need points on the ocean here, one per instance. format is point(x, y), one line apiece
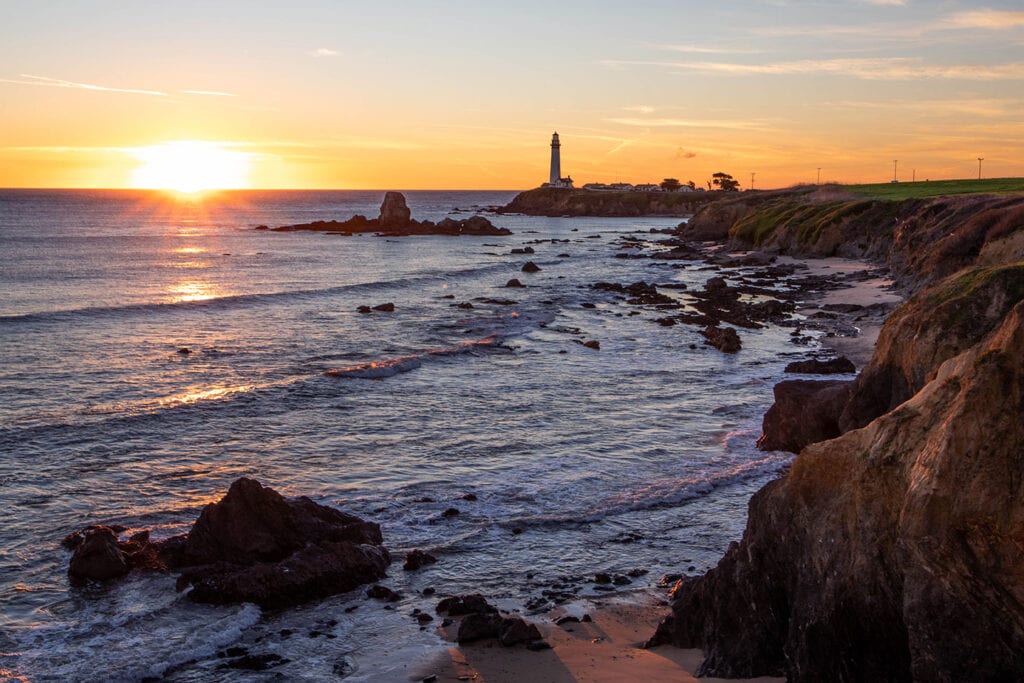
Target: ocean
point(636, 456)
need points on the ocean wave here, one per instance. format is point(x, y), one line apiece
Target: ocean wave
point(380, 369)
point(662, 493)
point(236, 300)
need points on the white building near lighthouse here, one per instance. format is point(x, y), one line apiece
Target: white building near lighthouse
point(556, 179)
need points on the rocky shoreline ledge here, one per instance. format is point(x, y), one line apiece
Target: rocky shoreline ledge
point(557, 202)
point(396, 220)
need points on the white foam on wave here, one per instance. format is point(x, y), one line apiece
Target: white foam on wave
point(138, 631)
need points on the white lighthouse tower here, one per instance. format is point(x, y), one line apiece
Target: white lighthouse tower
point(556, 179)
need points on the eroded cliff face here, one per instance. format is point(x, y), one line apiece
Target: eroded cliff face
point(894, 552)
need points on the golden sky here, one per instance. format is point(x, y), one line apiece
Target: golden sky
point(419, 95)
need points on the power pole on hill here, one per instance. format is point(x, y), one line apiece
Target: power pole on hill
point(894, 162)
point(980, 159)
point(819, 176)
point(752, 181)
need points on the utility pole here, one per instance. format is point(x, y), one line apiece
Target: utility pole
point(819, 176)
point(752, 180)
point(980, 159)
point(913, 176)
point(894, 178)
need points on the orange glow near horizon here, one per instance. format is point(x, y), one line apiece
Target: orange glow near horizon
point(188, 166)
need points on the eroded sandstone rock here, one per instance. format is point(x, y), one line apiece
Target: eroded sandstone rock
point(893, 552)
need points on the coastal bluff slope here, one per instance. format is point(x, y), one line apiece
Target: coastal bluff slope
point(894, 552)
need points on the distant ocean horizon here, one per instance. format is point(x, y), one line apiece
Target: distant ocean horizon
point(155, 350)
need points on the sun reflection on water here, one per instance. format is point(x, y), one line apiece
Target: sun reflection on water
point(191, 291)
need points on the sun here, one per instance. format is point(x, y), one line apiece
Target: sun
point(191, 166)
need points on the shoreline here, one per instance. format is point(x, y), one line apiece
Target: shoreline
point(610, 648)
point(607, 649)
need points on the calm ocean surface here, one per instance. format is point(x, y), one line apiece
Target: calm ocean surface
point(639, 455)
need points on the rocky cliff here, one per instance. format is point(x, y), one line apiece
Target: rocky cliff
point(895, 551)
point(546, 201)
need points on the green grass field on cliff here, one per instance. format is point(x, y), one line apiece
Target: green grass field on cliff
point(937, 188)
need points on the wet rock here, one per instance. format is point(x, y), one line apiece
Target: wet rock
point(514, 631)
point(478, 626)
point(97, 556)
point(593, 344)
point(524, 250)
point(724, 339)
point(472, 603)
point(567, 619)
point(364, 309)
point(256, 546)
point(394, 214)
point(451, 512)
point(471, 497)
point(602, 577)
point(386, 308)
point(383, 593)
point(804, 412)
point(531, 267)
point(834, 366)
point(514, 282)
point(417, 558)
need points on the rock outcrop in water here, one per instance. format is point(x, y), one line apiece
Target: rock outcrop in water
point(894, 552)
point(251, 546)
point(395, 220)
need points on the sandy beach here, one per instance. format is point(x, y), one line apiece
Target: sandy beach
point(608, 649)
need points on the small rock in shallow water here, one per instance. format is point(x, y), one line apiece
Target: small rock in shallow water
point(383, 593)
point(451, 512)
point(531, 267)
point(417, 558)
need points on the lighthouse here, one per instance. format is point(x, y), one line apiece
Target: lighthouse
point(556, 179)
point(556, 160)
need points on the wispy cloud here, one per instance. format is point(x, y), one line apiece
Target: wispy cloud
point(684, 154)
point(640, 109)
point(982, 18)
point(881, 68)
point(705, 50)
point(897, 3)
point(686, 123)
point(210, 93)
point(29, 79)
point(323, 52)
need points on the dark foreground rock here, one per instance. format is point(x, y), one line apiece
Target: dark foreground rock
point(814, 366)
point(252, 546)
point(395, 220)
point(891, 553)
point(805, 412)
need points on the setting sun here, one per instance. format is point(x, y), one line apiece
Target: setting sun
point(189, 166)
